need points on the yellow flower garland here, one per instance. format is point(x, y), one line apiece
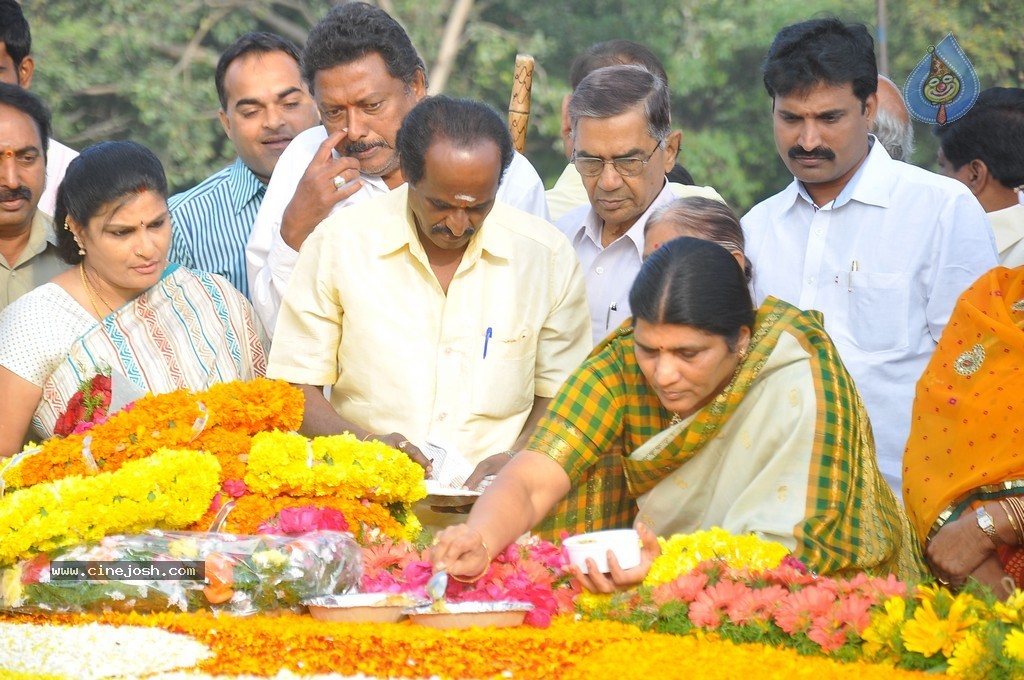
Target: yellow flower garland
point(228, 413)
point(170, 489)
point(339, 465)
point(682, 552)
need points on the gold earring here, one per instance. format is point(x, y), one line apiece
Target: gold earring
point(67, 227)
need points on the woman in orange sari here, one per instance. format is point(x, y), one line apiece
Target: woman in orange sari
point(963, 468)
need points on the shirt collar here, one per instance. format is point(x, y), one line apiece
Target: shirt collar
point(243, 185)
point(870, 185)
point(400, 231)
point(593, 224)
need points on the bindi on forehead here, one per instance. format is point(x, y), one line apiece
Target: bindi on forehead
point(465, 197)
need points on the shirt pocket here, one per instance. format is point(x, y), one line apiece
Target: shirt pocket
point(879, 311)
point(503, 381)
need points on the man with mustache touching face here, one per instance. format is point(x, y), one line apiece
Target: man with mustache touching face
point(365, 76)
point(882, 248)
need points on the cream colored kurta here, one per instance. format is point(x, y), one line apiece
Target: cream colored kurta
point(1008, 228)
point(753, 477)
point(364, 312)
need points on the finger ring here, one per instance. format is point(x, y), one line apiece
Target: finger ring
point(402, 444)
point(339, 181)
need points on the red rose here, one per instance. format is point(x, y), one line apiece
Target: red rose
point(71, 416)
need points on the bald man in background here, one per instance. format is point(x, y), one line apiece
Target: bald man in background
point(892, 121)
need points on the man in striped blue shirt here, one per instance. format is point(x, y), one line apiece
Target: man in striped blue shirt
point(264, 104)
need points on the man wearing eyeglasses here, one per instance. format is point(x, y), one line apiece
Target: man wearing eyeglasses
point(622, 147)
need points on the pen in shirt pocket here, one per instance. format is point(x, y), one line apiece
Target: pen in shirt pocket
point(608, 317)
point(849, 279)
point(487, 339)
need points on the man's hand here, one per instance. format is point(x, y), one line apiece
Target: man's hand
point(318, 192)
point(398, 441)
point(488, 467)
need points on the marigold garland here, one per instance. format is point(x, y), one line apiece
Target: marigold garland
point(170, 489)
point(567, 650)
point(339, 465)
point(166, 421)
point(251, 510)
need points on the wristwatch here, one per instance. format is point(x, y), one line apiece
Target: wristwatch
point(986, 524)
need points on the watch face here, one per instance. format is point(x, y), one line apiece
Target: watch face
point(985, 521)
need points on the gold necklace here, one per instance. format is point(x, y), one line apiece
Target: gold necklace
point(88, 291)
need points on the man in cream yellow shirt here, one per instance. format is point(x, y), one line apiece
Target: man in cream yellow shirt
point(433, 311)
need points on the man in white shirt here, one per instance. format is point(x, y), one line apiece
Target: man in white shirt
point(568, 191)
point(622, 147)
point(365, 76)
point(434, 311)
point(882, 248)
point(984, 149)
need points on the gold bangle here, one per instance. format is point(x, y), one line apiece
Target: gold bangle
point(368, 435)
point(1011, 519)
point(1017, 509)
point(487, 567)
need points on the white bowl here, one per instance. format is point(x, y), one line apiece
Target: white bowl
point(623, 543)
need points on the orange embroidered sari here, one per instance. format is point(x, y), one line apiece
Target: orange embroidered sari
point(966, 442)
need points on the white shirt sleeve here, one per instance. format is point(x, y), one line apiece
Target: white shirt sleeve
point(268, 259)
point(522, 188)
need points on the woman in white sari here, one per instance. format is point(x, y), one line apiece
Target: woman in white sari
point(121, 308)
point(701, 412)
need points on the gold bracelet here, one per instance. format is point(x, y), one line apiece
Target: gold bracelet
point(1018, 513)
point(1011, 519)
point(370, 434)
point(487, 567)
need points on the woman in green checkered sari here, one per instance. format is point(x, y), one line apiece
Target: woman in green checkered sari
point(701, 413)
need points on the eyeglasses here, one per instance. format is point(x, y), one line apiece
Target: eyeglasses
point(631, 166)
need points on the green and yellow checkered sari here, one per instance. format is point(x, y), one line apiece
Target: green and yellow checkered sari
point(607, 411)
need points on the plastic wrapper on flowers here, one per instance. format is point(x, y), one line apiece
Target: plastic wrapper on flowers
point(228, 573)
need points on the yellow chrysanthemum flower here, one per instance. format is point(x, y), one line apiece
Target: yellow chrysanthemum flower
point(882, 638)
point(929, 634)
point(1013, 645)
point(1011, 611)
point(968, 660)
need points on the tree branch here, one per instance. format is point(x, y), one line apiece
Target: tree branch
point(449, 49)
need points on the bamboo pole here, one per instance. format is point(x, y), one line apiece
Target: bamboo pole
point(519, 104)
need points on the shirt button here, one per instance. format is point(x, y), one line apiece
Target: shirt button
point(442, 415)
point(599, 270)
point(810, 279)
point(447, 350)
point(818, 231)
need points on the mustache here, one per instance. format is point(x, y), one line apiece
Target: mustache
point(819, 152)
point(439, 229)
point(359, 147)
point(12, 194)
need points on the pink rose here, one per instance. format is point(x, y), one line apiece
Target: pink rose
point(235, 488)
